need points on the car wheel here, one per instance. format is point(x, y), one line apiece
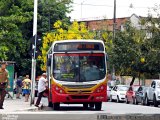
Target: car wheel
point(135, 101)
point(146, 101)
point(155, 103)
point(142, 101)
point(118, 99)
point(127, 102)
point(111, 98)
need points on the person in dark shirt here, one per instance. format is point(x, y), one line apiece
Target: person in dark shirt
point(19, 87)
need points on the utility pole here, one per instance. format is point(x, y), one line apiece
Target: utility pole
point(33, 71)
point(114, 34)
point(114, 20)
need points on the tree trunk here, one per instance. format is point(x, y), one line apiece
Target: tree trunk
point(131, 83)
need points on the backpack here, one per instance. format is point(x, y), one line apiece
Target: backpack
point(19, 83)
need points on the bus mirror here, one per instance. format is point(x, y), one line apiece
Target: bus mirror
point(106, 57)
point(49, 62)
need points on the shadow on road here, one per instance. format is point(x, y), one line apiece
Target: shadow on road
point(69, 108)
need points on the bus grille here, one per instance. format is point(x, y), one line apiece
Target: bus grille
point(80, 97)
point(79, 86)
point(79, 91)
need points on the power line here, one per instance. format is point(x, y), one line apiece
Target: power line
point(108, 5)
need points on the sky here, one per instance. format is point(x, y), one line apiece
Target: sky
point(100, 9)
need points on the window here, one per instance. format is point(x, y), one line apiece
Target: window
point(79, 67)
point(153, 84)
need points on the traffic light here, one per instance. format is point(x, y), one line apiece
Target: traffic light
point(37, 47)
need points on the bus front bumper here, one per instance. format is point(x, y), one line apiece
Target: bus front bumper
point(78, 98)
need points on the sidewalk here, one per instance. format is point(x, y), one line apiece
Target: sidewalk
point(13, 105)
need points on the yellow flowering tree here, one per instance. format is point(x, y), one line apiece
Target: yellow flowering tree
point(74, 31)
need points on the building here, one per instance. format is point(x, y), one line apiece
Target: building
point(107, 24)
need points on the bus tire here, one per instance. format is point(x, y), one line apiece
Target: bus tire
point(91, 105)
point(85, 105)
point(98, 106)
point(56, 106)
point(50, 104)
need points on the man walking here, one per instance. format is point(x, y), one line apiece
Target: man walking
point(26, 87)
point(4, 83)
point(41, 88)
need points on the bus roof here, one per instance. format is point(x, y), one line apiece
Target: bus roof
point(75, 40)
point(78, 40)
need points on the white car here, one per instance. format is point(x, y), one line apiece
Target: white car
point(118, 93)
point(108, 92)
point(152, 95)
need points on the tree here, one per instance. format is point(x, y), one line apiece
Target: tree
point(16, 23)
point(127, 53)
point(13, 44)
point(50, 11)
point(74, 31)
point(152, 45)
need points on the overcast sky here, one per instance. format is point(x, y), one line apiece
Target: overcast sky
point(96, 9)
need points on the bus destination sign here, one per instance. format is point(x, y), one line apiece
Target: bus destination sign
point(60, 47)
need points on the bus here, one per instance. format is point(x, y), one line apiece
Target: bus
point(76, 71)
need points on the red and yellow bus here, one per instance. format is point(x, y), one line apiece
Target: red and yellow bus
point(76, 70)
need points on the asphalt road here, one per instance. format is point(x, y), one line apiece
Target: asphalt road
point(110, 111)
point(107, 107)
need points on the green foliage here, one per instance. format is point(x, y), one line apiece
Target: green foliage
point(74, 31)
point(16, 27)
point(50, 11)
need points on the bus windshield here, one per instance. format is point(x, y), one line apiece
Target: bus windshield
point(79, 67)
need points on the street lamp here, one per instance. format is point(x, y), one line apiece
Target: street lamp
point(33, 70)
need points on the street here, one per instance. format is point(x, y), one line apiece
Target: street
point(107, 107)
point(19, 110)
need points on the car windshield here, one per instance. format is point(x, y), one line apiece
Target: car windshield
point(123, 88)
point(79, 67)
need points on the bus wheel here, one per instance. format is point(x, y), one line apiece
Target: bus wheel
point(91, 105)
point(98, 105)
point(56, 106)
point(50, 104)
point(85, 105)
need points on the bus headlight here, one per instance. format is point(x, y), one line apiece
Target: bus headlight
point(100, 89)
point(58, 89)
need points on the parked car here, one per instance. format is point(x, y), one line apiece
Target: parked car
point(139, 95)
point(130, 94)
point(153, 94)
point(118, 93)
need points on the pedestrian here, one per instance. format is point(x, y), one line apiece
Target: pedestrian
point(4, 83)
point(41, 88)
point(26, 87)
point(19, 87)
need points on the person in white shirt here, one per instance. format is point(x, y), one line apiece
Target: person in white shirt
point(41, 88)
